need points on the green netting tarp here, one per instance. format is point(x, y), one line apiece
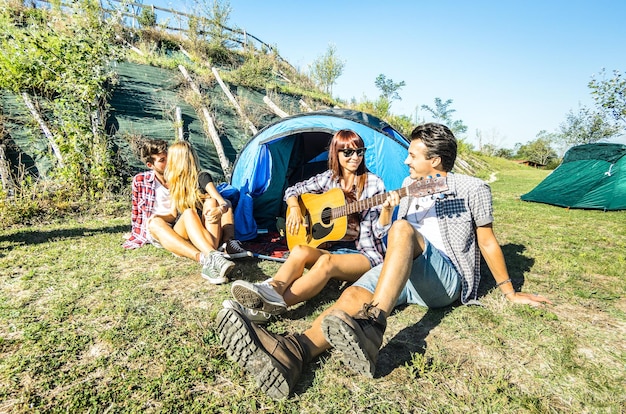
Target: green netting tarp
point(26, 148)
point(144, 102)
point(591, 176)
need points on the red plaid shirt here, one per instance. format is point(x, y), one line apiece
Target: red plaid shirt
point(144, 194)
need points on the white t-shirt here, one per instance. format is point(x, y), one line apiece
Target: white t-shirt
point(162, 202)
point(423, 217)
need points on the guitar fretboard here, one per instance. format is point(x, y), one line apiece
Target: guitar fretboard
point(417, 188)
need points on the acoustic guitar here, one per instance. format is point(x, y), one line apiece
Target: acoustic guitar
point(326, 215)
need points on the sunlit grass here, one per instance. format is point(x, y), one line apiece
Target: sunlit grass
point(86, 326)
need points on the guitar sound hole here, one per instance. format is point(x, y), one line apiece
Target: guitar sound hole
point(325, 216)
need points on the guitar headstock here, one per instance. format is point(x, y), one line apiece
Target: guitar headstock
point(427, 186)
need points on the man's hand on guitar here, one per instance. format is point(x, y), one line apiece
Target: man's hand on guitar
point(294, 220)
point(393, 199)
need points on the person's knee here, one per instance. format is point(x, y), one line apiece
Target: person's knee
point(324, 265)
point(401, 228)
point(354, 297)
point(155, 224)
point(299, 253)
point(210, 202)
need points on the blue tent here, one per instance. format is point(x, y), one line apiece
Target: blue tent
point(296, 148)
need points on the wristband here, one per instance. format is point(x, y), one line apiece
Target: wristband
point(503, 282)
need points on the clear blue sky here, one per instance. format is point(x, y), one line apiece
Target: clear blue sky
point(512, 68)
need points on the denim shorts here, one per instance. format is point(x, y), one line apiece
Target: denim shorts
point(434, 281)
point(343, 248)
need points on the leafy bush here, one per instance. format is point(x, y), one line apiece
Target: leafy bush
point(256, 72)
point(61, 56)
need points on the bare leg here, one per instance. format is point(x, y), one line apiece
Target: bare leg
point(214, 229)
point(228, 227)
point(189, 226)
point(405, 244)
point(348, 267)
point(170, 240)
point(301, 257)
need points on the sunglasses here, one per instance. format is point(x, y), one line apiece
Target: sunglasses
point(347, 152)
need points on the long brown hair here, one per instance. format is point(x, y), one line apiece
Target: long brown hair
point(346, 138)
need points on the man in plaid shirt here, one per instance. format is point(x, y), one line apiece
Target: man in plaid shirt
point(433, 258)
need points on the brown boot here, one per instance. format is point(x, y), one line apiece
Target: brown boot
point(274, 361)
point(358, 338)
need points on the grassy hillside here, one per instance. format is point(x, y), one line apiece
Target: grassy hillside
point(86, 326)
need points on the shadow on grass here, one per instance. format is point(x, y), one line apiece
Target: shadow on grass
point(31, 237)
point(516, 263)
point(410, 340)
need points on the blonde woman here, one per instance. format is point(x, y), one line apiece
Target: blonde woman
point(202, 222)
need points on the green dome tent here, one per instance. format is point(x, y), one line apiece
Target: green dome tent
point(591, 176)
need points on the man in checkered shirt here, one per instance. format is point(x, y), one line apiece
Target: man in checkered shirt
point(433, 258)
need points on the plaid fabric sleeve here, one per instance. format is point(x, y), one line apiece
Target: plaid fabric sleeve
point(481, 205)
point(315, 185)
point(142, 203)
point(369, 244)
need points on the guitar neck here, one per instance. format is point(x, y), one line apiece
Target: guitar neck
point(361, 205)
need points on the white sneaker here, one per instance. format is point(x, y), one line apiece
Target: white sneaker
point(256, 316)
point(234, 250)
point(258, 296)
point(215, 268)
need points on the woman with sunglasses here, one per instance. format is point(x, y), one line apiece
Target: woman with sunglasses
point(344, 260)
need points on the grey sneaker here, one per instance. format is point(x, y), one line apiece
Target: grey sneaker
point(256, 316)
point(215, 268)
point(260, 296)
point(358, 338)
point(275, 361)
point(234, 250)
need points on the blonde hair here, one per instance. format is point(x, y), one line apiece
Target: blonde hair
point(181, 175)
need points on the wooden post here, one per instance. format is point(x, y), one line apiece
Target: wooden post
point(305, 106)
point(44, 128)
point(5, 172)
point(210, 125)
point(179, 124)
point(230, 96)
point(233, 101)
point(275, 107)
point(118, 37)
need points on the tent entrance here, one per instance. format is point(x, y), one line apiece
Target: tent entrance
point(295, 158)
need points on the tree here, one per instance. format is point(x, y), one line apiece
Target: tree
point(327, 68)
point(539, 150)
point(610, 95)
point(504, 153)
point(388, 88)
point(585, 127)
point(441, 113)
point(147, 17)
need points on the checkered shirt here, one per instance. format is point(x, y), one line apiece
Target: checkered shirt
point(369, 245)
point(143, 196)
point(466, 205)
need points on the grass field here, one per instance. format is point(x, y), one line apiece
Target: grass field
point(86, 326)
